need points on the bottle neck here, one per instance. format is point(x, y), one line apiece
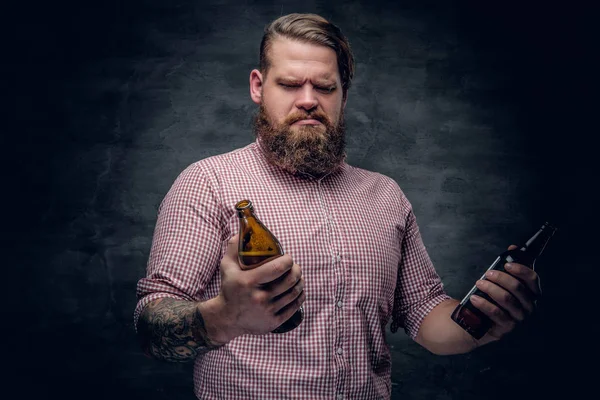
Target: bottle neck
point(536, 244)
point(246, 212)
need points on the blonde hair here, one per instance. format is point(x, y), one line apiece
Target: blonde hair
point(314, 29)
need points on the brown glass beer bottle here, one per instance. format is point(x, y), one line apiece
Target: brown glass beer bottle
point(470, 318)
point(257, 245)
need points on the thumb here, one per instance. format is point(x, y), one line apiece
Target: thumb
point(512, 247)
point(230, 258)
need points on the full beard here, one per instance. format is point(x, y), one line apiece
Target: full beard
point(314, 150)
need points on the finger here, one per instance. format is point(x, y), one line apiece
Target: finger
point(525, 274)
point(285, 281)
point(512, 247)
point(495, 313)
point(288, 296)
point(503, 298)
point(286, 312)
point(230, 258)
point(271, 270)
point(515, 286)
point(233, 244)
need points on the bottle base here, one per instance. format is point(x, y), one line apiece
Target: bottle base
point(292, 323)
point(470, 321)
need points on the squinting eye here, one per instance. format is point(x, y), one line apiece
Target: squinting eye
point(327, 90)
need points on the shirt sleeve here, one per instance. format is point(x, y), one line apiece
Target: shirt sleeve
point(419, 288)
point(187, 242)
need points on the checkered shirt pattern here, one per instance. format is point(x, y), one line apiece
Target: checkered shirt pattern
point(363, 260)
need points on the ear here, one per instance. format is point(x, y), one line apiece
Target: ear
point(256, 84)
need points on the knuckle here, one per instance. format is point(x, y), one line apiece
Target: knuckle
point(291, 279)
point(533, 275)
point(296, 303)
point(519, 288)
point(259, 297)
point(246, 282)
point(281, 264)
point(520, 316)
point(508, 298)
point(297, 270)
point(288, 260)
point(300, 300)
point(272, 308)
point(516, 268)
point(278, 267)
point(497, 312)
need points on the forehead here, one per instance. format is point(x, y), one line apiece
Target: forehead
point(298, 59)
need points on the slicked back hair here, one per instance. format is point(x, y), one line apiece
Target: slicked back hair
point(313, 29)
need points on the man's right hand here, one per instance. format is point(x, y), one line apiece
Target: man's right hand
point(252, 301)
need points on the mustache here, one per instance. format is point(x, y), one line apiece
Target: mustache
point(319, 116)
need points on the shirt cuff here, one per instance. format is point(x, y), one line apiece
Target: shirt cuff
point(414, 318)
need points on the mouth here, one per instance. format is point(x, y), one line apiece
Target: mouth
point(307, 122)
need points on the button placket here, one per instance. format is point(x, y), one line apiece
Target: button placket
point(339, 288)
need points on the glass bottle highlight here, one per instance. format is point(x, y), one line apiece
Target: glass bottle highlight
point(257, 245)
point(470, 318)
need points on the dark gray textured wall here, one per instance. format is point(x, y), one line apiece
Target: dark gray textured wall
point(478, 111)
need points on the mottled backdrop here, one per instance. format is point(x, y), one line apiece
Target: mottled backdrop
point(477, 110)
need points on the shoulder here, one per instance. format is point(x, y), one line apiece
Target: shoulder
point(210, 168)
point(204, 177)
point(224, 161)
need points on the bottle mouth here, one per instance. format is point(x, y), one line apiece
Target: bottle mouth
point(243, 204)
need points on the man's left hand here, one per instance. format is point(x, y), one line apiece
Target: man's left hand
point(515, 291)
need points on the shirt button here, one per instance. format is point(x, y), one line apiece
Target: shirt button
point(340, 397)
point(340, 304)
point(339, 350)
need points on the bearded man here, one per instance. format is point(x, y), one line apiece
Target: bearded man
point(354, 257)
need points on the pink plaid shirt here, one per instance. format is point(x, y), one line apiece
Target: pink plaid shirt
point(356, 238)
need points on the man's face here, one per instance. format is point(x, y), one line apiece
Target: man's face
point(300, 122)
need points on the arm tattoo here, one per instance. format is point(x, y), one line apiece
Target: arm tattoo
point(173, 330)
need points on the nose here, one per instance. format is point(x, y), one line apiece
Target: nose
point(306, 98)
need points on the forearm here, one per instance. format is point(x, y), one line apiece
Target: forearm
point(441, 335)
point(178, 330)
